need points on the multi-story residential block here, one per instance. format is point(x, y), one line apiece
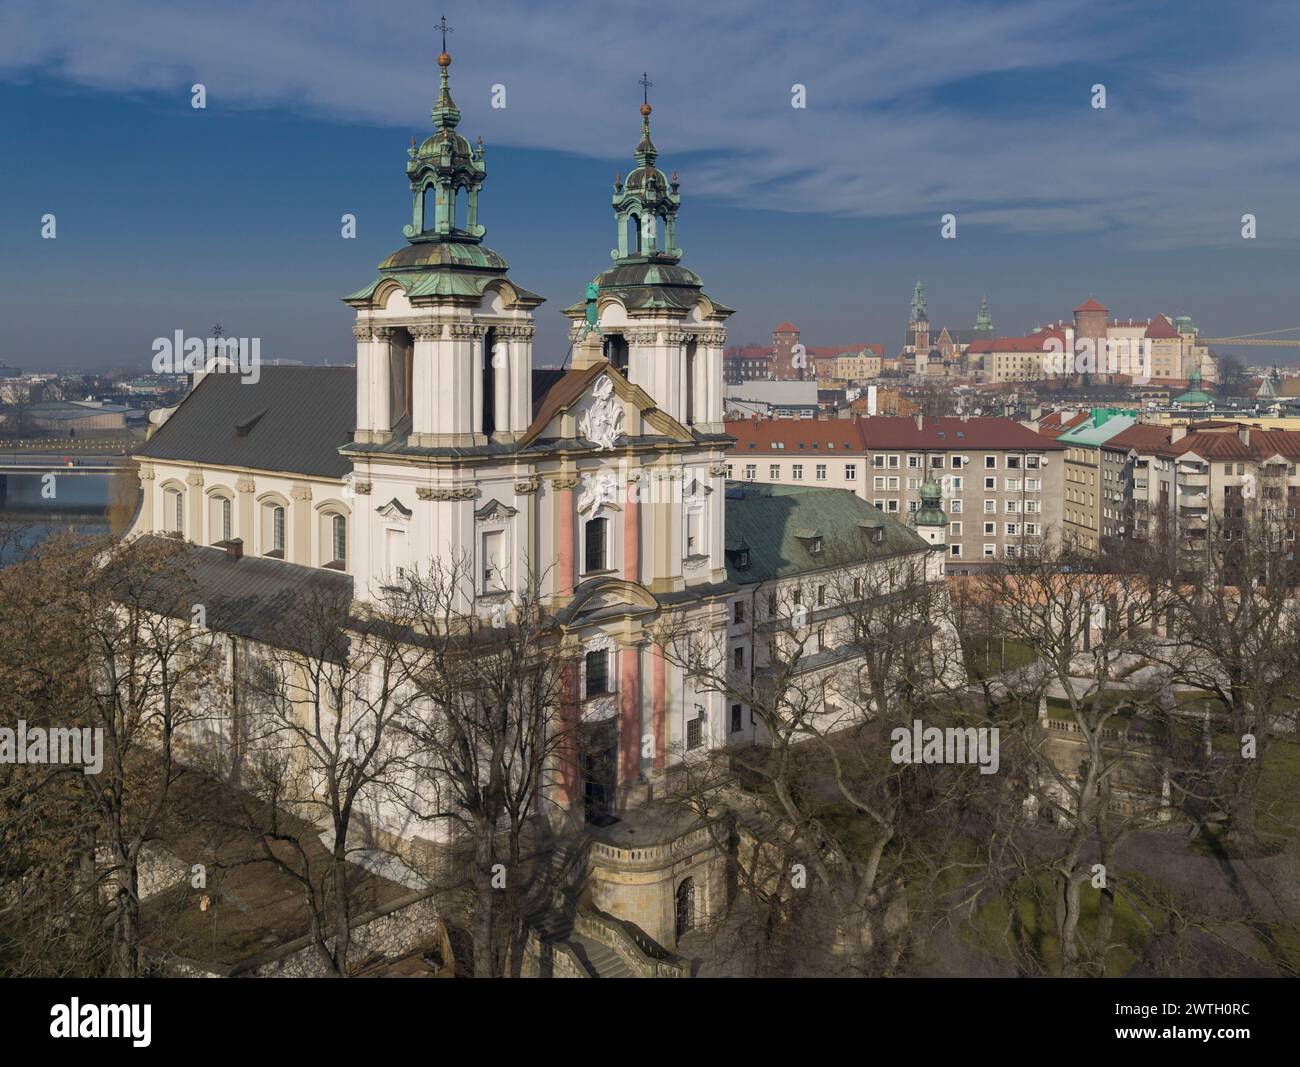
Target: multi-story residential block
point(1210, 479)
point(1001, 483)
point(1094, 505)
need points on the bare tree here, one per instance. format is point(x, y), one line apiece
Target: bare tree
point(325, 695)
point(490, 746)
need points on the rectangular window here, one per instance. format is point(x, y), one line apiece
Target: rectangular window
point(751, 471)
point(821, 595)
point(878, 462)
point(878, 483)
point(1013, 463)
point(1033, 507)
point(1013, 485)
point(774, 471)
point(990, 507)
point(893, 463)
point(1013, 507)
point(796, 472)
point(955, 529)
point(954, 507)
point(990, 550)
point(893, 484)
point(821, 472)
point(955, 462)
point(735, 718)
point(1032, 462)
point(695, 731)
point(892, 507)
point(738, 657)
point(1032, 485)
point(277, 528)
point(738, 612)
point(595, 545)
point(990, 463)
point(914, 463)
point(850, 472)
point(990, 529)
point(990, 484)
point(954, 550)
point(597, 673)
point(956, 483)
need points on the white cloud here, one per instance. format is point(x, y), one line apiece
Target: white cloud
point(1197, 131)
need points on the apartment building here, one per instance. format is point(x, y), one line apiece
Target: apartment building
point(1209, 479)
point(1094, 505)
point(1002, 483)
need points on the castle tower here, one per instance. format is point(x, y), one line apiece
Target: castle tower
point(659, 328)
point(984, 321)
point(444, 340)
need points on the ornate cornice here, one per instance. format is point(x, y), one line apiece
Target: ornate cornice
point(452, 492)
point(426, 332)
point(516, 333)
point(465, 331)
point(712, 337)
point(677, 337)
point(641, 336)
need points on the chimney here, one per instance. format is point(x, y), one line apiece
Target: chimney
point(1243, 434)
point(1177, 433)
point(234, 548)
point(920, 421)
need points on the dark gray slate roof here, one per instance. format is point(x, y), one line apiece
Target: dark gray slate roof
point(293, 419)
point(777, 523)
point(251, 597)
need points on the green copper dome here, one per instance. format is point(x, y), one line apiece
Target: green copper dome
point(930, 513)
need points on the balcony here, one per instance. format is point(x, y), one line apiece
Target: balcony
point(1197, 479)
point(1194, 500)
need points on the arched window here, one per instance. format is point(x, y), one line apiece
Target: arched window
point(334, 540)
point(634, 235)
point(685, 906)
point(488, 393)
point(273, 529)
point(690, 381)
point(174, 510)
point(429, 212)
point(220, 518)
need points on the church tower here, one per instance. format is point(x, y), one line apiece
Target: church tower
point(658, 327)
point(444, 339)
point(984, 321)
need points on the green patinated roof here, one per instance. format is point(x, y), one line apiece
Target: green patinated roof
point(1089, 435)
point(649, 283)
point(777, 522)
point(441, 268)
point(1194, 396)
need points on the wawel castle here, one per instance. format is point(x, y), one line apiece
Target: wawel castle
point(604, 482)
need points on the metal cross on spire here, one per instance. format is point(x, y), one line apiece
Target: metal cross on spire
point(442, 25)
point(645, 84)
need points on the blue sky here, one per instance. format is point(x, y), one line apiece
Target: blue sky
point(175, 218)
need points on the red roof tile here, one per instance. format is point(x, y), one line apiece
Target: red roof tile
point(1161, 327)
point(884, 431)
point(1091, 305)
point(786, 327)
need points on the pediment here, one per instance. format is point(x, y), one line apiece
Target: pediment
point(394, 509)
point(605, 412)
point(495, 511)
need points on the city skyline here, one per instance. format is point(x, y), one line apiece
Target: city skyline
point(237, 215)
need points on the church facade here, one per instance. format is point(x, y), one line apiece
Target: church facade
point(604, 483)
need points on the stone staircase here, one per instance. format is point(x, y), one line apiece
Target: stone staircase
point(552, 909)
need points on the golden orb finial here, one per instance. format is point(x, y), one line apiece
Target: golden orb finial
point(645, 111)
point(444, 60)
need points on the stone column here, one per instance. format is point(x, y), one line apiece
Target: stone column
point(298, 548)
point(147, 509)
point(629, 717)
point(632, 529)
point(427, 383)
point(566, 561)
point(659, 681)
point(246, 512)
point(194, 520)
point(361, 331)
point(568, 750)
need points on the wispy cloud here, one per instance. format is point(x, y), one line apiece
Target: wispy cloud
point(917, 109)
